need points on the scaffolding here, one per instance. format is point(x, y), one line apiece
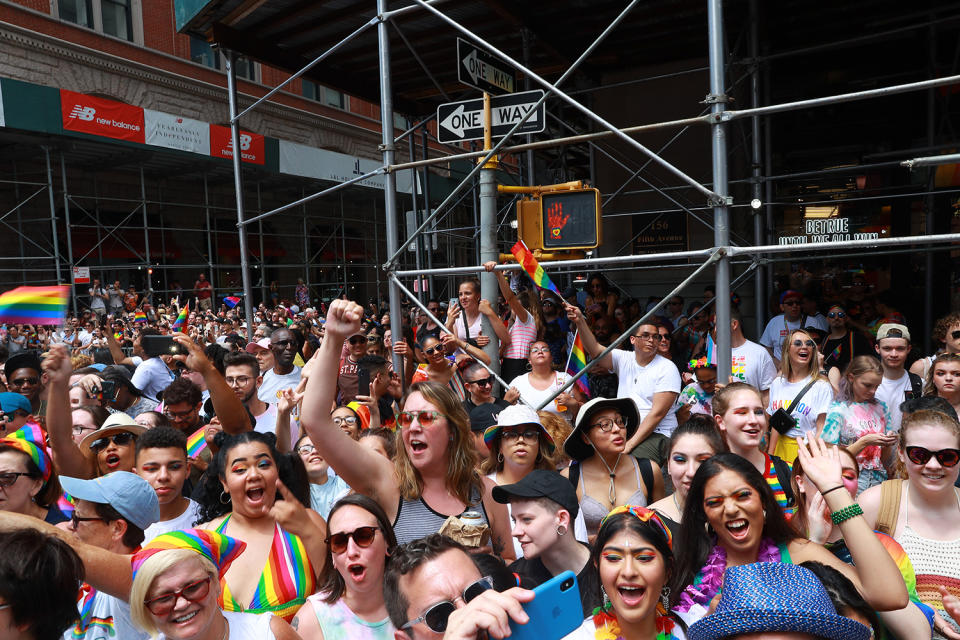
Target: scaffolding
point(716, 194)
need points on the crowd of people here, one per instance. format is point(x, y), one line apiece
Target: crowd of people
point(335, 477)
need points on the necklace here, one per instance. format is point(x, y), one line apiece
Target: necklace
point(612, 493)
point(677, 504)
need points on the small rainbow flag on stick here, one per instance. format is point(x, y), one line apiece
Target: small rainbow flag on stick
point(231, 301)
point(577, 362)
point(196, 443)
point(139, 316)
point(533, 268)
point(34, 305)
point(180, 323)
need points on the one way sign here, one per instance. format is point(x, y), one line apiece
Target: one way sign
point(460, 121)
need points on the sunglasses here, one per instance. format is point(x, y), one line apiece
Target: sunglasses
point(483, 382)
point(363, 536)
point(791, 303)
point(801, 343)
point(656, 337)
point(350, 420)
point(437, 615)
point(425, 418)
point(921, 455)
point(433, 350)
point(193, 592)
point(841, 314)
point(529, 435)
point(19, 382)
point(358, 340)
point(955, 335)
point(7, 479)
point(120, 439)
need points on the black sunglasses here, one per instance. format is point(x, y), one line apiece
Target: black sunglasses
point(358, 339)
point(432, 350)
point(363, 536)
point(841, 314)
point(483, 382)
point(955, 335)
point(922, 455)
point(119, 439)
point(437, 615)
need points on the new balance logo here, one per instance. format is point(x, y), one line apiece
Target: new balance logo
point(83, 113)
point(245, 141)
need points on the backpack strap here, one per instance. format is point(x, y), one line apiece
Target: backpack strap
point(916, 385)
point(782, 468)
point(890, 492)
point(574, 474)
point(646, 474)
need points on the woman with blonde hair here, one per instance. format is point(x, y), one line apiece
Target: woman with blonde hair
point(176, 586)
point(801, 391)
point(433, 476)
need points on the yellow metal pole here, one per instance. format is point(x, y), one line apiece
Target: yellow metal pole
point(488, 131)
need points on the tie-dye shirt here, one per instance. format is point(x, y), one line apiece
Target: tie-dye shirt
point(847, 422)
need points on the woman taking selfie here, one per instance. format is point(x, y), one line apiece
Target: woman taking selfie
point(433, 476)
point(349, 603)
point(176, 585)
point(731, 518)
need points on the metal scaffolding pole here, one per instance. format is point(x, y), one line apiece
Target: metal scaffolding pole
point(53, 219)
point(488, 235)
point(210, 254)
point(66, 219)
point(721, 214)
point(759, 281)
point(231, 59)
point(390, 183)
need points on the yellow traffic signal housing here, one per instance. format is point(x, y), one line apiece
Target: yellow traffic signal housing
point(560, 220)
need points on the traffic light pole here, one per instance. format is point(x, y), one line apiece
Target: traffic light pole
point(488, 234)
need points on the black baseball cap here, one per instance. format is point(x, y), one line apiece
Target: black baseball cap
point(541, 483)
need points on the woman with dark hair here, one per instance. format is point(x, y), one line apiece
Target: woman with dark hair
point(542, 381)
point(732, 518)
point(437, 367)
point(691, 443)
point(39, 575)
point(87, 419)
point(349, 603)
point(254, 494)
point(28, 482)
point(634, 562)
point(525, 328)
point(599, 293)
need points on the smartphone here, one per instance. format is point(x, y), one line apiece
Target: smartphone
point(363, 382)
point(108, 389)
point(452, 302)
point(160, 345)
point(554, 612)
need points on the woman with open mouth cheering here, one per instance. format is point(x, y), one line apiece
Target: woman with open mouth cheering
point(349, 604)
point(731, 518)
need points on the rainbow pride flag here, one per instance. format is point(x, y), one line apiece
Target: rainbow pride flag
point(139, 316)
point(181, 321)
point(231, 301)
point(577, 363)
point(533, 268)
point(196, 443)
point(34, 305)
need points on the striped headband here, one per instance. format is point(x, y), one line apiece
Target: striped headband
point(644, 515)
point(30, 439)
point(219, 549)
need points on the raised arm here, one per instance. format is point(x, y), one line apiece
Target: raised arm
point(519, 312)
point(366, 471)
point(228, 407)
point(67, 457)
point(590, 343)
point(498, 327)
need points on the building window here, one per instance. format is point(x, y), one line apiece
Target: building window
point(326, 95)
point(246, 68)
point(202, 53)
point(116, 18)
point(77, 11)
point(311, 90)
point(400, 122)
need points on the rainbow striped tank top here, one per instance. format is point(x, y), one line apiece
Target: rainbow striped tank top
point(287, 579)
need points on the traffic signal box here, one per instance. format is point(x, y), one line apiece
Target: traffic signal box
point(559, 221)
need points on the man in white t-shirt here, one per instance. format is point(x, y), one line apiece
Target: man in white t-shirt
point(161, 460)
point(242, 374)
point(285, 374)
point(780, 326)
point(750, 362)
point(652, 381)
point(898, 384)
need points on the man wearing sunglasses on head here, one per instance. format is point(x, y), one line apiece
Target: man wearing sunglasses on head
point(106, 528)
point(433, 590)
point(780, 326)
point(348, 376)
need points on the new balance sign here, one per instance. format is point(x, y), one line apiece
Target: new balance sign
point(101, 117)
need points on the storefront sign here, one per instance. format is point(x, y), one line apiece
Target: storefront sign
point(667, 232)
point(100, 117)
point(817, 230)
point(251, 144)
point(81, 275)
point(175, 132)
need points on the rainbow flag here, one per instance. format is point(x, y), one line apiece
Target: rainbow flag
point(533, 268)
point(178, 324)
point(35, 305)
point(196, 443)
point(118, 336)
point(231, 301)
point(577, 363)
point(139, 316)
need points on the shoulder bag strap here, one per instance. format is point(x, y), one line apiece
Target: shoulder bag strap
point(890, 492)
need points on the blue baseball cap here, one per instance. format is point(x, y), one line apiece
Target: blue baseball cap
point(10, 402)
point(128, 493)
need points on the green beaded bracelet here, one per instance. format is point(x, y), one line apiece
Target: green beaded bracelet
point(842, 515)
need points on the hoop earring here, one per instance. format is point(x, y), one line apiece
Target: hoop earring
point(224, 497)
point(528, 366)
point(500, 458)
point(561, 530)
